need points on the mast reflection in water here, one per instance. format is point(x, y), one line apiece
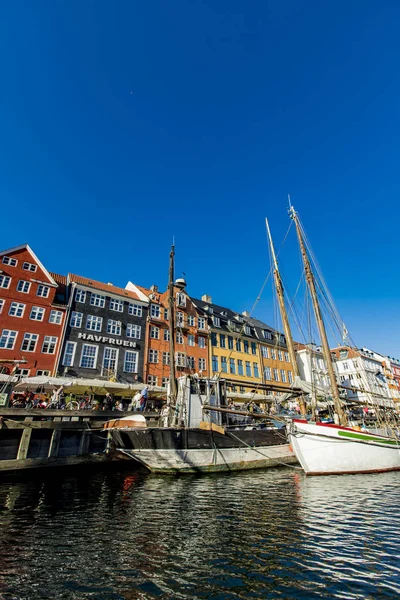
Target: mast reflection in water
point(266, 534)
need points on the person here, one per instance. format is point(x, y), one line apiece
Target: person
point(136, 400)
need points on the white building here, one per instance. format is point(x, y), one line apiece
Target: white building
point(312, 366)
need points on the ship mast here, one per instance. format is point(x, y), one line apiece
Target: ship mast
point(285, 320)
point(173, 389)
point(320, 322)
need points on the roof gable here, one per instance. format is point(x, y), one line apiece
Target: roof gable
point(11, 251)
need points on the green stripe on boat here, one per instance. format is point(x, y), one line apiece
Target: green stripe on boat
point(367, 438)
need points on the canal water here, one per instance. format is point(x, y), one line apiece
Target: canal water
point(122, 535)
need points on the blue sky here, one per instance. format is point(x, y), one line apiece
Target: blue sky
point(125, 123)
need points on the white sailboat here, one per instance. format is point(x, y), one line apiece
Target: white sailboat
point(341, 447)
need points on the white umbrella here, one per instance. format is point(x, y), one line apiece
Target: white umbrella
point(43, 381)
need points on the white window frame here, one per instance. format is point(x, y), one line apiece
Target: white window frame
point(216, 321)
point(39, 310)
point(94, 357)
point(181, 299)
point(42, 372)
point(76, 317)
point(5, 279)
point(30, 338)
point(8, 337)
point(155, 311)
point(23, 286)
point(179, 337)
point(247, 330)
point(94, 320)
point(201, 342)
point(2, 303)
point(72, 354)
point(202, 361)
point(201, 321)
point(133, 331)
point(114, 327)
point(180, 319)
point(153, 356)
point(166, 358)
point(80, 296)
point(154, 332)
point(8, 260)
point(191, 340)
point(43, 291)
point(55, 317)
point(97, 300)
point(181, 359)
point(27, 266)
point(116, 305)
point(166, 335)
point(18, 307)
point(104, 370)
point(152, 380)
point(135, 309)
point(135, 363)
point(52, 341)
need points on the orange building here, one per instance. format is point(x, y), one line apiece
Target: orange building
point(191, 331)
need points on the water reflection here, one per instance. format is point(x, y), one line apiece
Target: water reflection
point(128, 535)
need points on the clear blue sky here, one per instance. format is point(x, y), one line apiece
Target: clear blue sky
point(125, 123)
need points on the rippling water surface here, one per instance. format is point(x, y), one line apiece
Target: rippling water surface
point(124, 535)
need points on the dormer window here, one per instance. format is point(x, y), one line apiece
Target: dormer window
point(267, 334)
point(239, 318)
point(181, 299)
point(224, 313)
point(247, 330)
point(217, 321)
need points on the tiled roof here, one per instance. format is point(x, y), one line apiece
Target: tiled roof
point(104, 287)
point(60, 279)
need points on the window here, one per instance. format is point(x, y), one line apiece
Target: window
point(179, 338)
point(287, 357)
point(232, 366)
point(114, 327)
point(94, 323)
point(191, 340)
point(69, 354)
point(37, 313)
point(224, 366)
point(345, 366)
point(248, 369)
point(276, 375)
point(215, 363)
point(80, 296)
point(109, 361)
point(264, 351)
point(42, 372)
point(355, 363)
point(273, 354)
point(201, 342)
point(267, 334)
point(135, 309)
point(253, 348)
point(166, 358)
point(21, 372)
point(247, 330)
point(216, 321)
point(5, 281)
point(164, 382)
point(267, 373)
point(11, 262)
point(222, 340)
point(117, 305)
point(29, 342)
point(166, 315)
point(202, 364)
point(1, 305)
point(280, 355)
point(133, 331)
point(179, 319)
point(29, 267)
point(152, 380)
point(238, 346)
point(166, 335)
point(290, 376)
point(201, 322)
point(55, 317)
point(153, 356)
point(181, 359)
point(130, 361)
point(283, 376)
point(7, 339)
point(23, 286)
point(154, 332)
point(246, 346)
point(16, 309)
point(97, 300)
point(43, 291)
point(240, 367)
point(190, 321)
point(214, 339)
point(191, 362)
point(255, 370)
point(230, 342)
point(180, 299)
point(76, 319)
point(89, 356)
point(155, 311)
point(49, 344)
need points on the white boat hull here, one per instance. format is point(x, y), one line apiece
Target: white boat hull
point(210, 461)
point(323, 449)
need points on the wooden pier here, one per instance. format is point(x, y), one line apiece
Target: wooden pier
point(37, 438)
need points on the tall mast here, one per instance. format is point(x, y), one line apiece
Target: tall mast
point(172, 379)
point(285, 321)
point(320, 322)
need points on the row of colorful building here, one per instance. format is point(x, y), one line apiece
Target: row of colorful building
point(77, 327)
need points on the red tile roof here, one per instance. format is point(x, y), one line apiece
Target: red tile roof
point(60, 279)
point(104, 287)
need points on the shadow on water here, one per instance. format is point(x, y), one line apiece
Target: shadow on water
point(122, 535)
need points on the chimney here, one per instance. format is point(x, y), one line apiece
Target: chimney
point(109, 283)
point(154, 288)
point(246, 313)
point(207, 299)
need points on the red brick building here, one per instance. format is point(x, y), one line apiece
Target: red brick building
point(32, 313)
point(191, 342)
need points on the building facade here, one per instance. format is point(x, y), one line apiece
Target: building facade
point(32, 313)
point(104, 335)
point(191, 335)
